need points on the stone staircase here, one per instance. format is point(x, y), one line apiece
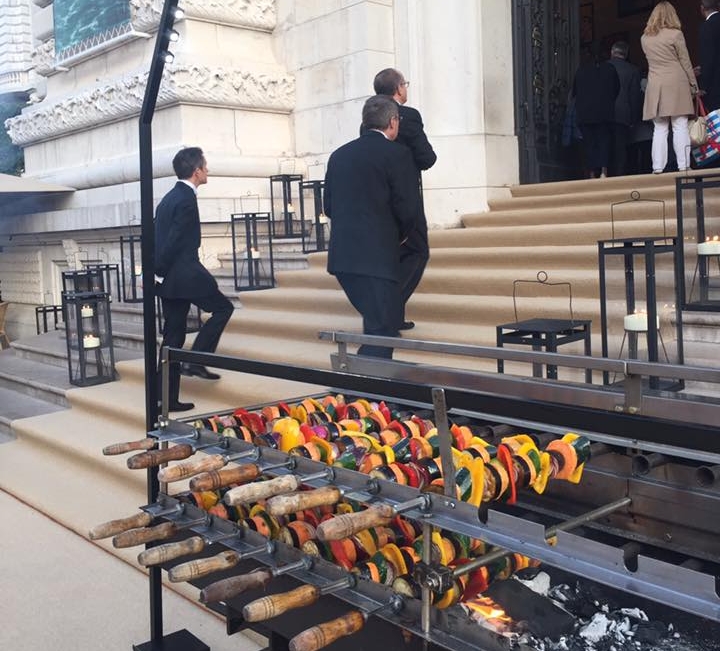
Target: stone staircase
point(466, 292)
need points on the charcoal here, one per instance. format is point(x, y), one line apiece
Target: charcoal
point(543, 617)
point(650, 632)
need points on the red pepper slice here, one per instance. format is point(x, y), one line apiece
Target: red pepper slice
point(504, 455)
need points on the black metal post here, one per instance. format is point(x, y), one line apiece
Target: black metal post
point(148, 268)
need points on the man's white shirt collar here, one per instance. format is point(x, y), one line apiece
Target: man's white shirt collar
point(186, 182)
point(383, 133)
point(712, 14)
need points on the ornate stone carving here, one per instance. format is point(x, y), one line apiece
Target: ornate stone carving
point(257, 14)
point(43, 58)
point(187, 84)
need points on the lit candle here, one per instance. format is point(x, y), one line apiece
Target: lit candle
point(138, 270)
point(86, 311)
point(322, 218)
point(290, 207)
point(638, 322)
point(709, 246)
point(254, 254)
point(91, 341)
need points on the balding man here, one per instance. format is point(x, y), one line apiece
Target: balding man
point(372, 200)
point(415, 253)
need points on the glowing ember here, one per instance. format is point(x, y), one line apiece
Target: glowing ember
point(490, 615)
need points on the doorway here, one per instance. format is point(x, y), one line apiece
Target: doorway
point(548, 38)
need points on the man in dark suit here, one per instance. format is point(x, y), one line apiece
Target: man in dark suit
point(628, 107)
point(184, 280)
point(709, 80)
point(415, 252)
point(372, 200)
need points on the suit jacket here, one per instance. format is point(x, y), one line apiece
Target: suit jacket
point(372, 199)
point(710, 61)
point(628, 107)
point(177, 240)
point(596, 86)
point(671, 80)
point(412, 135)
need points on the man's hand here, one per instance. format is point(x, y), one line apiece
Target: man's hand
point(696, 71)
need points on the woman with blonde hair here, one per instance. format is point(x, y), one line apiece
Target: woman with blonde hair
point(670, 88)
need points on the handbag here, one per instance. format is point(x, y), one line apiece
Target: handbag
point(698, 124)
point(710, 151)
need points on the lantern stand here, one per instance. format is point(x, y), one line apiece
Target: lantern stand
point(131, 268)
point(253, 265)
point(283, 217)
point(706, 248)
point(639, 253)
point(314, 227)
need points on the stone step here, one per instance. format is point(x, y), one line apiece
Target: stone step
point(17, 405)
point(38, 380)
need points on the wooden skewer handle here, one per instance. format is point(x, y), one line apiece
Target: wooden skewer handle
point(277, 604)
point(347, 524)
point(179, 471)
point(210, 481)
point(114, 527)
point(261, 490)
point(326, 633)
point(171, 551)
point(203, 566)
point(144, 535)
point(156, 457)
point(226, 588)
point(294, 502)
point(130, 446)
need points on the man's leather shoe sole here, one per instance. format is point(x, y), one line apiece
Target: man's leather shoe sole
point(181, 406)
point(198, 371)
point(407, 325)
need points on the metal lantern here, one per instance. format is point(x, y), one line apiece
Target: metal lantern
point(83, 280)
point(638, 288)
point(111, 277)
point(131, 268)
point(88, 331)
point(315, 226)
point(285, 219)
point(253, 266)
point(698, 229)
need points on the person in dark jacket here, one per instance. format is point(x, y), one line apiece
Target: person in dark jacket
point(371, 198)
point(595, 88)
point(709, 79)
point(628, 106)
point(415, 252)
point(183, 280)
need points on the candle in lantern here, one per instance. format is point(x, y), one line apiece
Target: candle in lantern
point(322, 218)
point(709, 246)
point(638, 322)
point(138, 270)
point(91, 341)
point(86, 311)
point(290, 208)
point(254, 254)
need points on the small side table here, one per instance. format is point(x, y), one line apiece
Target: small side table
point(545, 334)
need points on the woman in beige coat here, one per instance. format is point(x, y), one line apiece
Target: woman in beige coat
point(671, 86)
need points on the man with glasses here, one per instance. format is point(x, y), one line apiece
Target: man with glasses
point(371, 199)
point(415, 252)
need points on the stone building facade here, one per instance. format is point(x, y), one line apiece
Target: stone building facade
point(265, 87)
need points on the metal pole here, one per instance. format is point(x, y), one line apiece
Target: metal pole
point(148, 266)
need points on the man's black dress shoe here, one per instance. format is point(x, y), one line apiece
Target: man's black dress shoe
point(198, 371)
point(180, 406)
point(407, 325)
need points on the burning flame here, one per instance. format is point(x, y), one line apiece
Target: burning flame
point(488, 609)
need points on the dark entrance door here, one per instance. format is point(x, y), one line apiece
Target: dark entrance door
point(545, 45)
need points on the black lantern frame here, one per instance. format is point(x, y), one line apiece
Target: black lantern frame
point(285, 222)
point(111, 277)
point(88, 332)
point(131, 268)
point(699, 256)
point(253, 263)
point(86, 280)
point(640, 255)
point(315, 226)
